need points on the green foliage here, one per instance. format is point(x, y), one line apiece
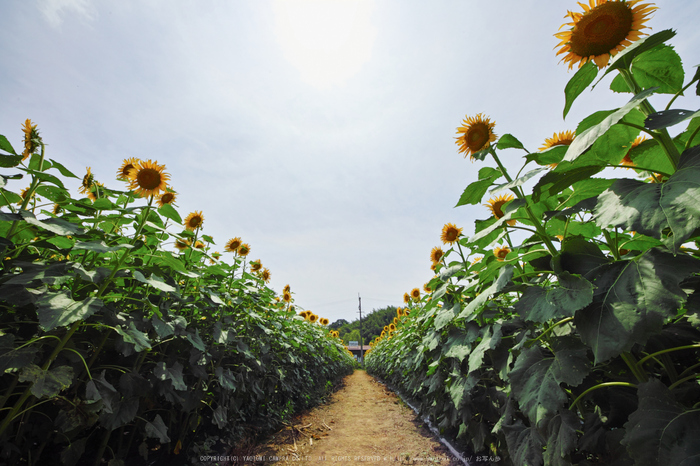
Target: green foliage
point(580, 344)
point(114, 346)
point(372, 325)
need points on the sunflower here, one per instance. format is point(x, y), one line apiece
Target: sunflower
point(255, 265)
point(31, 139)
point(426, 288)
point(216, 255)
point(194, 220)
point(603, 29)
point(23, 194)
point(287, 288)
point(501, 253)
point(182, 244)
point(244, 249)
point(88, 181)
point(198, 245)
point(57, 209)
point(450, 233)
point(415, 294)
point(313, 317)
point(265, 275)
point(287, 296)
point(627, 160)
point(304, 314)
point(563, 138)
point(399, 312)
point(324, 321)
point(436, 254)
point(396, 320)
point(127, 166)
point(406, 312)
point(392, 327)
point(166, 198)
point(476, 134)
point(147, 178)
point(496, 204)
point(233, 244)
point(477, 259)
point(406, 298)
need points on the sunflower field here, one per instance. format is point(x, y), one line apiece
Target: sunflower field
point(580, 343)
point(124, 339)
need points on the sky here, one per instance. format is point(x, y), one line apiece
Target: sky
point(321, 132)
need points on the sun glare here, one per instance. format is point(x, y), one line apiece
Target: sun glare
point(328, 41)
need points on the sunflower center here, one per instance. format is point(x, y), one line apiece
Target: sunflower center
point(148, 178)
point(167, 198)
point(126, 169)
point(602, 29)
point(477, 136)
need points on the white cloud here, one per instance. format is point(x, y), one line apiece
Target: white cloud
point(54, 11)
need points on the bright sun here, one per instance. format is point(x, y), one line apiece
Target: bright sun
point(327, 40)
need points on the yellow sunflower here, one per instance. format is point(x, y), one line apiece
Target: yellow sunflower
point(501, 253)
point(127, 166)
point(287, 288)
point(244, 249)
point(233, 244)
point(313, 318)
point(392, 327)
point(255, 265)
point(426, 288)
point(304, 314)
point(406, 298)
point(88, 181)
point(287, 296)
point(147, 178)
point(603, 29)
point(57, 209)
point(182, 244)
point(324, 321)
point(399, 312)
point(265, 275)
point(396, 320)
point(496, 206)
point(216, 255)
point(450, 233)
point(166, 198)
point(563, 138)
point(23, 194)
point(194, 220)
point(476, 134)
point(31, 138)
point(415, 294)
point(436, 254)
point(198, 245)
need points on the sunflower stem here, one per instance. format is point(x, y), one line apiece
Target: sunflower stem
point(30, 193)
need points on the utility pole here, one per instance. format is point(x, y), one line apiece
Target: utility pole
point(362, 352)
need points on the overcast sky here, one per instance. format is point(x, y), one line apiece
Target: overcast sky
point(320, 132)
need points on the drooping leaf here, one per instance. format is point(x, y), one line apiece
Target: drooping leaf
point(54, 225)
point(489, 340)
point(579, 256)
point(226, 378)
point(650, 208)
point(157, 429)
point(562, 438)
point(64, 171)
point(134, 336)
point(59, 310)
point(475, 191)
point(220, 417)
point(155, 281)
point(660, 67)
point(586, 139)
point(196, 340)
point(6, 146)
point(568, 295)
point(632, 300)
point(46, 383)
point(173, 373)
point(578, 83)
point(169, 211)
point(662, 431)
point(536, 380)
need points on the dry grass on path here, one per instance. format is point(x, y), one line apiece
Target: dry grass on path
point(363, 423)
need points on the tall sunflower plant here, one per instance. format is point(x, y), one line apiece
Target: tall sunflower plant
point(578, 344)
point(125, 336)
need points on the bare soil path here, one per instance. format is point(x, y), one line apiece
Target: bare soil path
point(364, 423)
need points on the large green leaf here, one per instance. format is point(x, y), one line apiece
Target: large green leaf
point(632, 300)
point(668, 118)
point(624, 59)
point(173, 373)
point(155, 281)
point(6, 146)
point(586, 139)
point(536, 379)
point(659, 67)
point(157, 429)
point(475, 191)
point(134, 336)
point(508, 141)
point(59, 310)
point(47, 383)
point(519, 181)
point(563, 299)
point(650, 208)
point(489, 340)
point(662, 431)
point(562, 438)
point(54, 225)
point(12, 359)
point(524, 443)
point(578, 83)
point(505, 275)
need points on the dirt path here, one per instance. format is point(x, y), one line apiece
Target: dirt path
point(363, 423)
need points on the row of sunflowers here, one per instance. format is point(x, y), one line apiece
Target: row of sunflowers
point(578, 344)
point(125, 338)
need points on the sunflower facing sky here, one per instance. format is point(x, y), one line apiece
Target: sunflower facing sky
point(476, 134)
point(166, 198)
point(127, 166)
point(501, 252)
point(244, 249)
point(496, 206)
point(194, 220)
point(436, 254)
point(233, 244)
point(148, 178)
point(604, 28)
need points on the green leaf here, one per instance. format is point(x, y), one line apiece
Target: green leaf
point(226, 378)
point(661, 430)
point(59, 310)
point(47, 383)
point(504, 277)
point(562, 438)
point(623, 60)
point(580, 81)
point(9, 161)
point(54, 225)
point(460, 388)
point(134, 336)
point(651, 156)
point(6, 146)
point(64, 171)
point(579, 256)
point(536, 380)
point(169, 211)
point(667, 118)
point(586, 139)
point(475, 191)
point(660, 67)
point(124, 412)
point(155, 281)
point(519, 181)
point(568, 295)
point(61, 242)
point(632, 301)
point(508, 141)
point(488, 341)
point(550, 156)
point(174, 374)
point(73, 452)
point(445, 316)
point(13, 359)
point(196, 340)
point(157, 429)
point(555, 182)
point(650, 208)
point(97, 246)
point(524, 443)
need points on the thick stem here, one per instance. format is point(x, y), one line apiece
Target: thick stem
point(596, 387)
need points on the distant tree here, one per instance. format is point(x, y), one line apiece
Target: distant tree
point(353, 336)
point(337, 324)
point(372, 325)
